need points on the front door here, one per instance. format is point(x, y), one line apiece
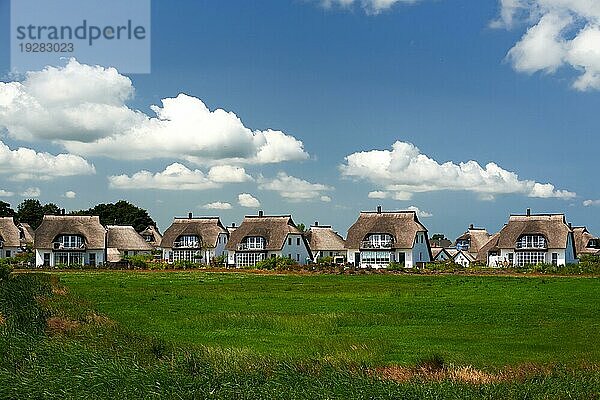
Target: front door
point(357, 259)
point(46, 259)
point(92, 259)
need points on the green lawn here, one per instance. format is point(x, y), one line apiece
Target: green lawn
point(374, 319)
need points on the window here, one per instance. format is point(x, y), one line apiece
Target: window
point(289, 241)
point(70, 242)
point(297, 257)
point(420, 256)
point(249, 259)
point(510, 258)
point(46, 259)
point(375, 257)
point(530, 257)
point(8, 253)
point(64, 258)
point(290, 256)
point(463, 244)
point(554, 258)
point(186, 255)
point(252, 243)
point(378, 241)
point(297, 241)
point(531, 242)
point(189, 241)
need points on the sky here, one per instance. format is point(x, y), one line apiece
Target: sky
point(465, 111)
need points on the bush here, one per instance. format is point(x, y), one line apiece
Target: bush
point(394, 266)
point(278, 263)
point(5, 269)
point(139, 261)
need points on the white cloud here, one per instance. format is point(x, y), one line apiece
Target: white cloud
point(588, 203)
point(217, 205)
point(6, 193)
point(294, 189)
point(247, 200)
point(70, 194)
point(420, 213)
point(378, 194)
point(175, 177)
point(83, 108)
point(228, 174)
point(325, 199)
point(560, 33)
point(31, 192)
point(370, 6)
point(24, 163)
point(405, 170)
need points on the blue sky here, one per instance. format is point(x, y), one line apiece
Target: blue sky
point(344, 80)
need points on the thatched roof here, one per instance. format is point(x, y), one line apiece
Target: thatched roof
point(273, 228)
point(402, 225)
point(582, 239)
point(125, 238)
point(491, 245)
point(324, 238)
point(206, 228)
point(466, 254)
point(436, 251)
point(553, 226)
point(87, 226)
point(477, 237)
point(9, 232)
point(27, 233)
point(154, 233)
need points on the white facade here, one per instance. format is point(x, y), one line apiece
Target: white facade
point(381, 258)
point(54, 258)
point(200, 254)
point(294, 248)
point(7, 252)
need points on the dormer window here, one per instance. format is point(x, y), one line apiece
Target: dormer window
point(253, 243)
point(65, 242)
point(463, 244)
point(187, 241)
point(592, 244)
point(531, 242)
point(378, 241)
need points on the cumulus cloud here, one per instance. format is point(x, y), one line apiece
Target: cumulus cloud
point(6, 193)
point(589, 203)
point(70, 194)
point(83, 108)
point(217, 205)
point(560, 33)
point(378, 194)
point(24, 164)
point(294, 189)
point(175, 177)
point(369, 6)
point(420, 213)
point(228, 174)
point(247, 200)
point(31, 192)
point(404, 170)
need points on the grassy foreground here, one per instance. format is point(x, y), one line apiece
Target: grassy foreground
point(167, 335)
point(373, 319)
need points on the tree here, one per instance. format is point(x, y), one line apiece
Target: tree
point(6, 210)
point(301, 227)
point(120, 213)
point(31, 211)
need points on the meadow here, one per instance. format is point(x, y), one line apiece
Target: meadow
point(247, 335)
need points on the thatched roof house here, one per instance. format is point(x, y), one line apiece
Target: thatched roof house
point(403, 226)
point(152, 236)
point(323, 240)
point(10, 235)
point(472, 240)
point(585, 242)
point(274, 229)
point(207, 229)
point(54, 225)
point(491, 247)
point(26, 233)
point(123, 240)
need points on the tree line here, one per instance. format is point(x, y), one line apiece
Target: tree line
point(31, 211)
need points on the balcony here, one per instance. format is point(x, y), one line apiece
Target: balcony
point(376, 245)
point(186, 245)
point(68, 247)
point(251, 246)
point(531, 246)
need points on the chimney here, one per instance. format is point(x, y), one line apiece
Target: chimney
point(378, 209)
point(261, 213)
point(529, 212)
point(316, 223)
point(233, 224)
point(570, 226)
point(62, 212)
point(190, 215)
point(471, 226)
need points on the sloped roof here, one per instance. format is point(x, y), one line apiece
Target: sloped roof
point(465, 254)
point(553, 226)
point(27, 233)
point(491, 245)
point(154, 232)
point(582, 238)
point(402, 225)
point(324, 238)
point(87, 226)
point(436, 251)
point(477, 236)
point(207, 228)
point(125, 238)
point(9, 232)
point(273, 228)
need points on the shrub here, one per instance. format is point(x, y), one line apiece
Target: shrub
point(394, 266)
point(139, 261)
point(5, 269)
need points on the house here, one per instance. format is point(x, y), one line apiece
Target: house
point(585, 242)
point(195, 239)
point(152, 236)
point(10, 237)
point(531, 239)
point(443, 253)
point(464, 258)
point(379, 238)
point(122, 241)
point(325, 242)
point(261, 236)
point(70, 240)
point(472, 241)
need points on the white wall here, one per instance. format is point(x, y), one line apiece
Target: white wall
point(39, 257)
point(297, 249)
point(13, 251)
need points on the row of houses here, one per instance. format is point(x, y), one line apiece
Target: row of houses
point(375, 240)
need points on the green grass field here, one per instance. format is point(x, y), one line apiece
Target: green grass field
point(485, 321)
